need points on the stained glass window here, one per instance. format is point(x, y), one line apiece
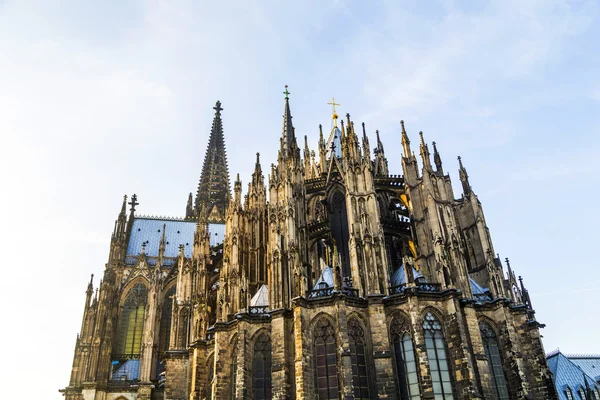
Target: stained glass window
point(131, 325)
point(358, 359)
point(492, 352)
point(438, 361)
point(261, 368)
point(326, 371)
point(405, 361)
point(165, 328)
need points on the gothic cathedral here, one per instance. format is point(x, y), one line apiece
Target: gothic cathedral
point(335, 279)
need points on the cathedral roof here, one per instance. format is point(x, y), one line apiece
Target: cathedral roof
point(571, 371)
point(149, 231)
point(326, 277)
point(261, 298)
point(398, 277)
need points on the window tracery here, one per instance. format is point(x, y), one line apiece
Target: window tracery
point(325, 351)
point(438, 361)
point(405, 360)
point(358, 359)
point(261, 368)
point(490, 345)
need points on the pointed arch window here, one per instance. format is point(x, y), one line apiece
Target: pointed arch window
point(438, 360)
point(358, 358)
point(326, 370)
point(405, 361)
point(492, 352)
point(261, 368)
point(164, 337)
point(131, 324)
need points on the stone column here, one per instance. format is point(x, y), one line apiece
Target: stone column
point(383, 375)
point(280, 378)
point(303, 360)
point(176, 375)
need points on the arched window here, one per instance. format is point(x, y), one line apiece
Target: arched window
point(358, 359)
point(165, 329)
point(490, 345)
point(261, 368)
point(326, 371)
point(404, 357)
point(131, 325)
point(438, 361)
point(338, 223)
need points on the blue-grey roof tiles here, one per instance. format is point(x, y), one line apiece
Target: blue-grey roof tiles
point(567, 373)
point(177, 232)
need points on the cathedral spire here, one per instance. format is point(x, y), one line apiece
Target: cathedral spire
point(213, 188)
point(405, 141)
point(257, 174)
point(288, 140)
point(424, 152)
point(464, 177)
point(189, 208)
point(437, 159)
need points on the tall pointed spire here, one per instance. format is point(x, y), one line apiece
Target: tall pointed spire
point(464, 177)
point(213, 188)
point(289, 145)
point(437, 159)
point(424, 152)
point(405, 142)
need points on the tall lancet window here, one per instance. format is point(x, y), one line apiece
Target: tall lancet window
point(405, 361)
point(492, 352)
point(358, 358)
point(325, 353)
point(166, 316)
point(338, 222)
point(438, 360)
point(261, 368)
point(131, 323)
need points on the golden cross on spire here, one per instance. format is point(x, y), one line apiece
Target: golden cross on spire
point(334, 116)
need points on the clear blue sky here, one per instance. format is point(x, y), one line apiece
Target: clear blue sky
point(99, 99)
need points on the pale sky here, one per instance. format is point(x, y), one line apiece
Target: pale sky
point(101, 99)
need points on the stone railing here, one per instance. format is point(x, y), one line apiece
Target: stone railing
point(316, 293)
point(428, 287)
point(398, 289)
point(258, 310)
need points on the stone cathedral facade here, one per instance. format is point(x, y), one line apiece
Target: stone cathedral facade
point(332, 278)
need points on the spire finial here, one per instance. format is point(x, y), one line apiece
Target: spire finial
point(437, 159)
point(405, 141)
point(133, 203)
point(287, 92)
point(334, 115)
point(124, 206)
point(218, 107)
point(257, 158)
point(464, 177)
